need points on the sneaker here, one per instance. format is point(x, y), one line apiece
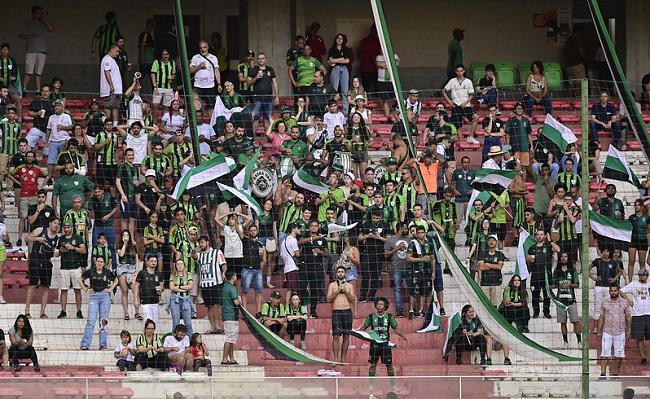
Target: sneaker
point(565, 345)
point(2, 301)
point(442, 312)
point(547, 315)
point(411, 314)
point(644, 361)
point(303, 346)
point(79, 314)
point(62, 315)
point(507, 361)
point(459, 361)
point(421, 314)
point(482, 363)
point(488, 362)
point(19, 243)
point(472, 140)
point(445, 358)
point(37, 369)
point(535, 315)
point(525, 330)
point(292, 342)
point(209, 370)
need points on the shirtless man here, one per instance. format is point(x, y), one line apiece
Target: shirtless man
point(343, 299)
point(399, 151)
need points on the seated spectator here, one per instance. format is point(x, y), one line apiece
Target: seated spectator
point(605, 117)
point(124, 352)
point(21, 336)
point(150, 350)
point(514, 305)
point(4, 356)
point(537, 89)
point(467, 337)
point(277, 133)
point(172, 121)
point(296, 321)
point(494, 130)
point(486, 87)
point(273, 315)
point(234, 109)
point(200, 354)
point(177, 345)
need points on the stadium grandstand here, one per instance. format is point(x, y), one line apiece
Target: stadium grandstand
point(301, 199)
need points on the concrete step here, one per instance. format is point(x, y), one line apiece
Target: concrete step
point(105, 358)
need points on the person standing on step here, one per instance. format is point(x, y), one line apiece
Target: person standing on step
point(45, 242)
point(102, 282)
point(639, 292)
point(149, 285)
point(540, 260)
point(343, 299)
point(613, 329)
point(74, 254)
point(212, 267)
point(372, 236)
point(380, 321)
point(395, 248)
point(422, 259)
point(565, 279)
point(605, 275)
point(230, 302)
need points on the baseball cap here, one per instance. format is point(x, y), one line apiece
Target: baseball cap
point(391, 161)
point(276, 295)
point(69, 223)
point(57, 102)
point(150, 172)
point(414, 91)
point(285, 110)
point(493, 236)
point(250, 52)
point(359, 97)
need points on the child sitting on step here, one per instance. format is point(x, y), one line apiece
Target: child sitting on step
point(200, 354)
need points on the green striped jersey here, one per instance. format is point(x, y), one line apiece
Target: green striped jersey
point(10, 135)
point(106, 35)
point(80, 222)
point(566, 229)
point(108, 153)
point(102, 251)
point(159, 164)
point(409, 193)
point(191, 210)
point(243, 69)
point(163, 71)
point(290, 214)
point(445, 215)
point(8, 68)
point(394, 202)
point(152, 231)
point(176, 152)
point(186, 248)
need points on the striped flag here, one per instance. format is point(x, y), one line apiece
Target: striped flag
point(336, 228)
point(370, 336)
point(242, 179)
point(494, 180)
point(556, 137)
point(221, 110)
point(434, 324)
point(455, 321)
point(304, 180)
point(243, 196)
point(525, 242)
point(549, 292)
point(609, 227)
point(616, 167)
point(207, 171)
point(484, 196)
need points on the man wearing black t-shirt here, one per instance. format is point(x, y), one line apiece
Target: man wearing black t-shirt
point(320, 93)
point(540, 259)
point(265, 89)
point(372, 236)
point(606, 274)
point(39, 215)
point(254, 258)
point(490, 265)
point(313, 250)
point(149, 285)
point(73, 263)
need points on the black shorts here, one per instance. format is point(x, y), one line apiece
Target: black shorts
point(207, 94)
point(422, 282)
point(380, 351)
point(639, 243)
point(499, 229)
point(640, 328)
point(39, 273)
point(457, 113)
point(451, 242)
point(106, 174)
point(212, 295)
point(275, 328)
point(236, 265)
point(385, 91)
point(341, 322)
point(296, 327)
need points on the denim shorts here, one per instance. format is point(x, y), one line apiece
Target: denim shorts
point(254, 276)
point(263, 108)
point(54, 148)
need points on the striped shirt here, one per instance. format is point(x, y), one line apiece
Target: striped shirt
point(243, 69)
point(409, 193)
point(290, 214)
point(191, 210)
point(445, 215)
point(162, 71)
point(568, 180)
point(102, 251)
point(186, 248)
point(8, 69)
point(159, 164)
point(107, 154)
point(176, 153)
point(178, 233)
point(394, 203)
point(106, 35)
point(80, 222)
point(149, 232)
point(210, 264)
point(10, 135)
point(566, 229)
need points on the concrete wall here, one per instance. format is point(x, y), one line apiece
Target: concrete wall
point(638, 43)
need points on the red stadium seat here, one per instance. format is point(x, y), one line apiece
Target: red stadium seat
point(569, 118)
point(9, 282)
point(10, 393)
point(23, 282)
point(634, 145)
point(21, 267)
point(464, 145)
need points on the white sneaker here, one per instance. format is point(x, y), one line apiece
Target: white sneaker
point(2, 301)
point(565, 345)
point(303, 346)
point(472, 140)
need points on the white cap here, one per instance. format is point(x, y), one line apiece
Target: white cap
point(150, 172)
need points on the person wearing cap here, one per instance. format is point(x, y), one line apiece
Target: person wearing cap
point(338, 58)
point(273, 315)
point(321, 95)
point(304, 67)
point(495, 157)
point(263, 83)
point(490, 264)
point(243, 69)
point(358, 138)
point(638, 292)
point(458, 93)
point(57, 134)
point(235, 107)
point(539, 259)
point(455, 51)
point(566, 279)
point(67, 186)
point(391, 174)
point(359, 106)
point(519, 133)
point(494, 130)
point(412, 103)
point(93, 120)
point(73, 259)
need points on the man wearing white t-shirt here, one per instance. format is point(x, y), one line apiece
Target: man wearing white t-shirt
point(384, 79)
point(178, 346)
point(461, 91)
point(110, 82)
point(289, 251)
point(57, 134)
point(206, 132)
point(639, 292)
point(205, 69)
point(137, 138)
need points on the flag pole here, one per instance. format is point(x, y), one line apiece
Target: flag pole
point(584, 255)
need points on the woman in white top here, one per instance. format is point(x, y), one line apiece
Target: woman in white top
point(233, 233)
point(172, 120)
point(537, 89)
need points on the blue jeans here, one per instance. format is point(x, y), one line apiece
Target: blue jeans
point(254, 276)
point(99, 306)
point(181, 308)
point(54, 148)
point(110, 240)
point(407, 277)
point(489, 97)
point(340, 80)
point(594, 128)
point(545, 101)
point(263, 107)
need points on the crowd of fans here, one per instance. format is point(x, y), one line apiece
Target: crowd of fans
point(206, 248)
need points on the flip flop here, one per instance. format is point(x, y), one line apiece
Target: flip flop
point(126, 317)
point(234, 362)
point(138, 316)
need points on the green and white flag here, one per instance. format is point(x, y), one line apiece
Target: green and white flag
point(304, 180)
point(242, 179)
point(495, 180)
point(455, 321)
point(337, 228)
point(556, 137)
point(609, 227)
point(616, 167)
point(525, 242)
point(207, 171)
point(370, 336)
point(243, 196)
point(434, 324)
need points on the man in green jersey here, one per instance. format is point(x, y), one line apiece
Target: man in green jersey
point(10, 131)
point(105, 36)
point(106, 148)
point(104, 208)
point(304, 67)
point(9, 77)
point(245, 88)
point(67, 186)
point(568, 178)
point(159, 163)
point(334, 196)
point(295, 148)
point(163, 74)
point(420, 255)
point(78, 217)
point(381, 322)
point(126, 183)
point(566, 280)
point(395, 204)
